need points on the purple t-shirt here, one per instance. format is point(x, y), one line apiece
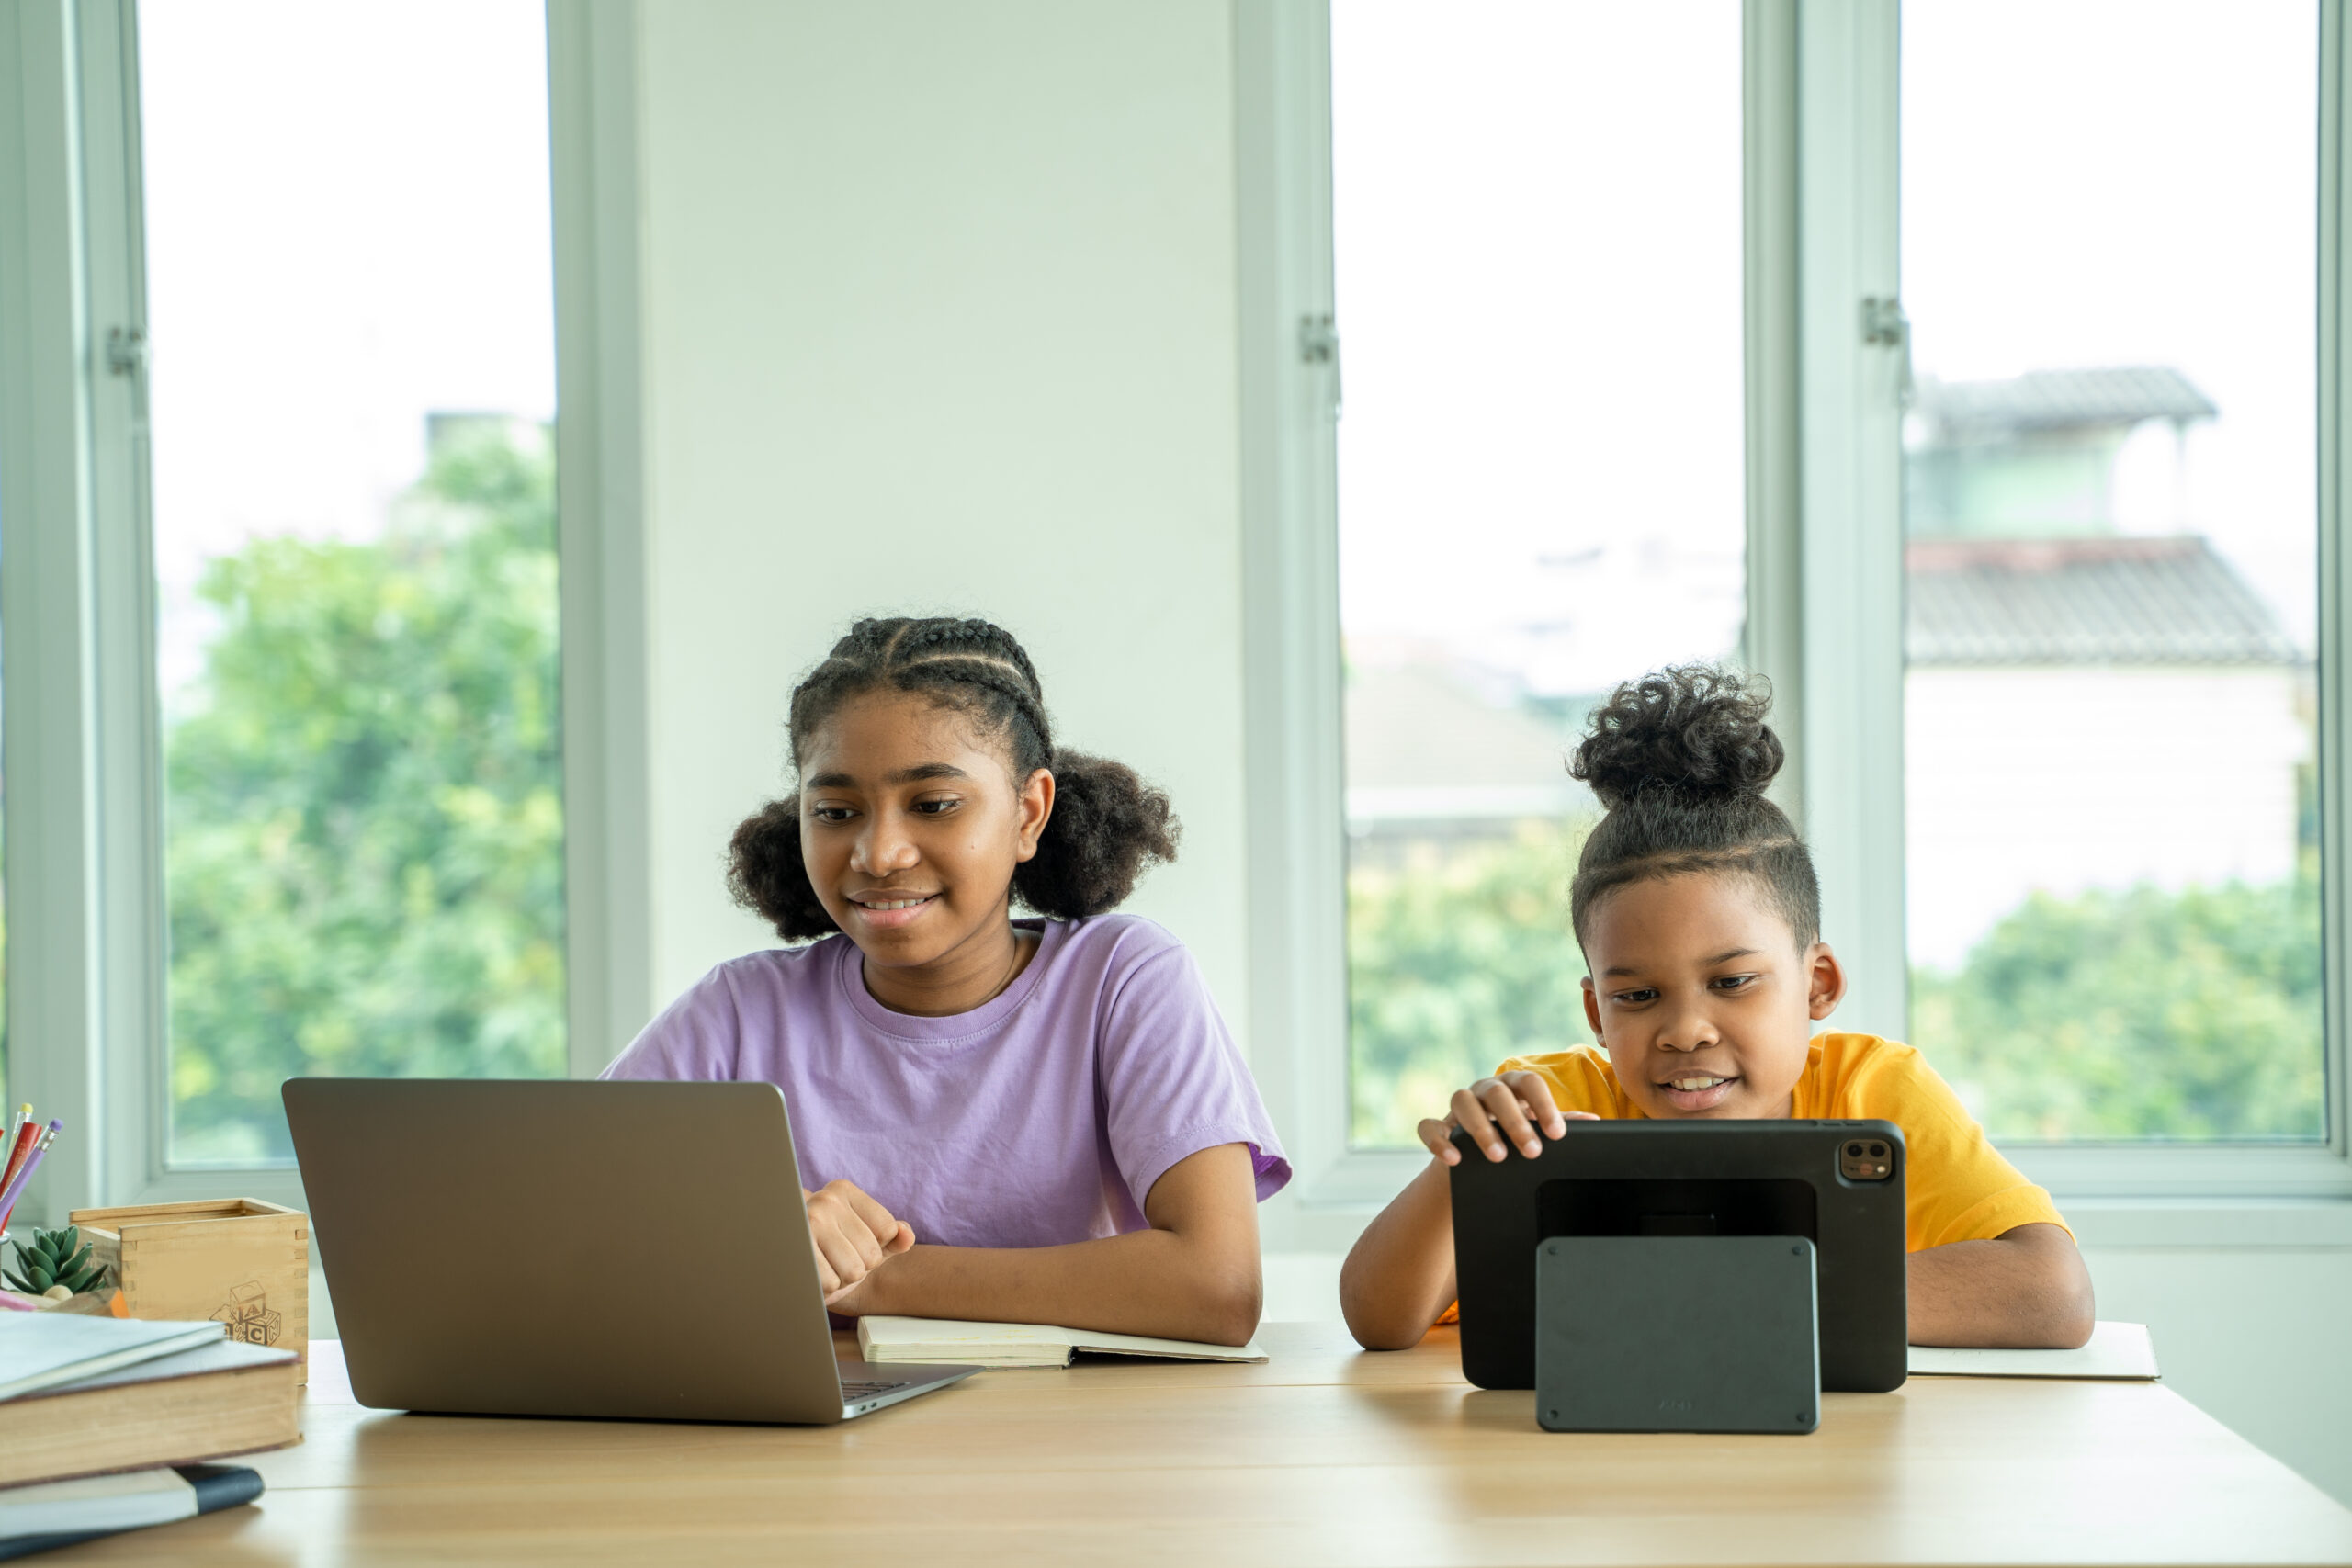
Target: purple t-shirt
point(1041, 1116)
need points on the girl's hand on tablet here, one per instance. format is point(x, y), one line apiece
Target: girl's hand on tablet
point(1501, 1112)
point(854, 1235)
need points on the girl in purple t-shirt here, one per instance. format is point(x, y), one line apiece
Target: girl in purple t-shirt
point(1012, 1120)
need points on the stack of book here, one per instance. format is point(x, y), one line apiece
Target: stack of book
point(106, 1424)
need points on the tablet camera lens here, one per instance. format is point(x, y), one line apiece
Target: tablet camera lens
point(1861, 1161)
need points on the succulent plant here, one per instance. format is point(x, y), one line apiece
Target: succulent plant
point(50, 1258)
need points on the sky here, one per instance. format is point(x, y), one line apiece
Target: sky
point(1537, 258)
point(1537, 255)
point(348, 226)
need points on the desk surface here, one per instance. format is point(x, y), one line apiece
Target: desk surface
point(1326, 1455)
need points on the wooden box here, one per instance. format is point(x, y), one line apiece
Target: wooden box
point(238, 1259)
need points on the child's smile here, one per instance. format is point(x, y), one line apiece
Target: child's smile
point(891, 908)
point(1701, 996)
point(912, 828)
point(1693, 1092)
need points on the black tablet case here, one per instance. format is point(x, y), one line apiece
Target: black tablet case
point(1652, 1177)
point(1677, 1334)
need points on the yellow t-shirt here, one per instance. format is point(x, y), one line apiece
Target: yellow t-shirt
point(1957, 1186)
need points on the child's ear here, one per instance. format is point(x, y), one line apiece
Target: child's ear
point(1824, 980)
point(1592, 1009)
point(1032, 812)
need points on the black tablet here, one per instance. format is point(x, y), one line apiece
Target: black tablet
point(1837, 1183)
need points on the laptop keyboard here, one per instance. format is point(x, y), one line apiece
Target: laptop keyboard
point(853, 1392)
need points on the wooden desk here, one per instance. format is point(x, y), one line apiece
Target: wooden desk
point(1324, 1456)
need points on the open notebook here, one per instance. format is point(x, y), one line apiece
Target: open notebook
point(885, 1339)
point(2116, 1351)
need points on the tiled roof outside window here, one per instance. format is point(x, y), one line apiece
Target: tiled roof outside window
point(2085, 600)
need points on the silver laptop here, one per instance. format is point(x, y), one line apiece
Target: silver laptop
point(616, 1249)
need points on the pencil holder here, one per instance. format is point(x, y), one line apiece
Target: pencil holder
point(240, 1260)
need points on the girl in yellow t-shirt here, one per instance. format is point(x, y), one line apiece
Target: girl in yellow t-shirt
point(1700, 918)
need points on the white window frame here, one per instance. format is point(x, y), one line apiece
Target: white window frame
point(1824, 599)
point(88, 1017)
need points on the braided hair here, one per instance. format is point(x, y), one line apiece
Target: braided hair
point(1108, 826)
point(1682, 757)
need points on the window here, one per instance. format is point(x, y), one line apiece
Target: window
point(2111, 555)
point(299, 789)
point(347, 267)
point(2040, 574)
point(1536, 242)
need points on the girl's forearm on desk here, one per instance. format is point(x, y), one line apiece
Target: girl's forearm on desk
point(1147, 1282)
point(1194, 1275)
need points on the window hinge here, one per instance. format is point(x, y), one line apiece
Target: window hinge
point(126, 351)
point(1318, 341)
point(1885, 326)
point(1319, 344)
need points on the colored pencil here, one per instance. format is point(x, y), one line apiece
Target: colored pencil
point(25, 1174)
point(19, 1147)
point(9, 1198)
point(9, 1150)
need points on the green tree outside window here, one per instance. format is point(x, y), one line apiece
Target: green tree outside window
point(365, 826)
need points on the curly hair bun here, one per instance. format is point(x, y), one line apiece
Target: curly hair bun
point(1697, 729)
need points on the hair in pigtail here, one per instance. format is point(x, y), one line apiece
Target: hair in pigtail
point(1107, 829)
point(1108, 825)
point(764, 872)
